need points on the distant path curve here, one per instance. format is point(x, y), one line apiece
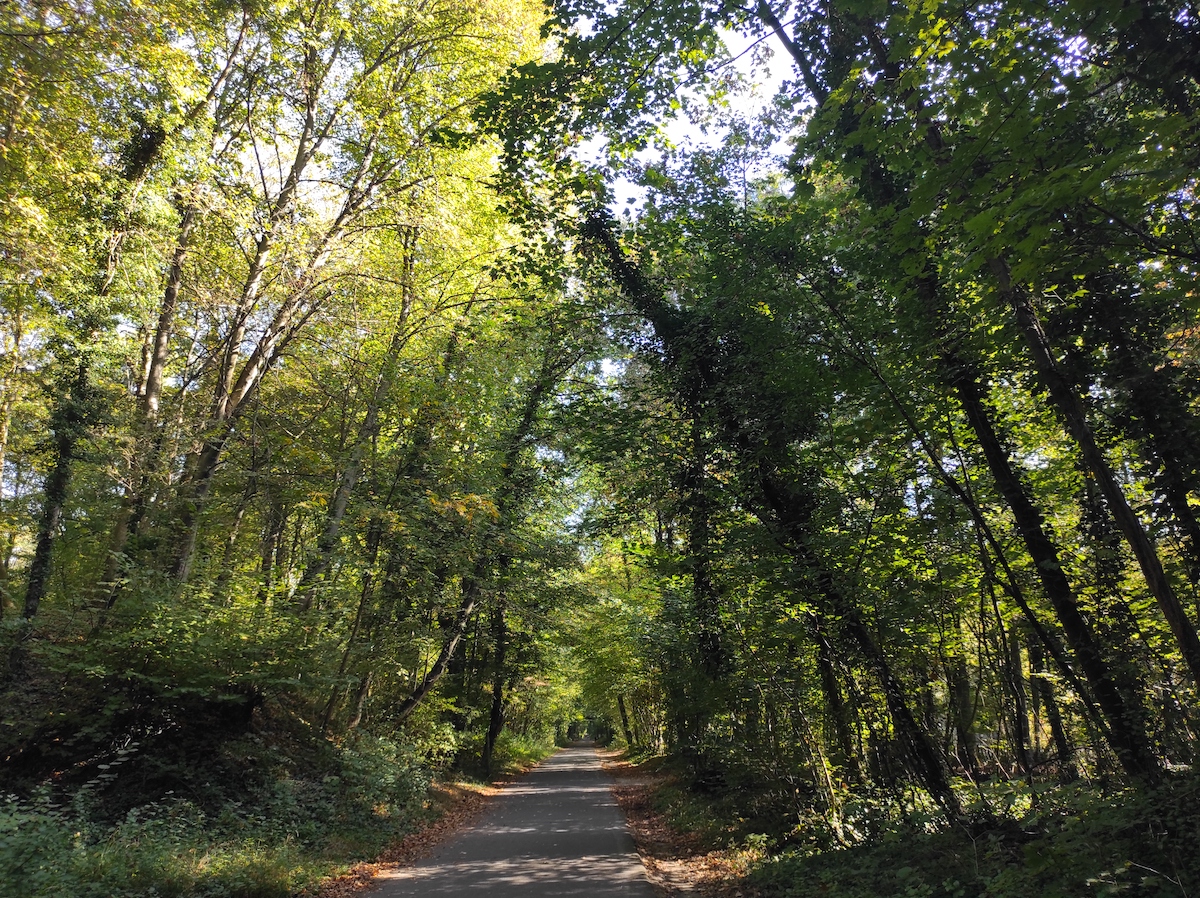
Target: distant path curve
point(555, 832)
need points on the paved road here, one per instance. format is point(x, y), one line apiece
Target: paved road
point(555, 832)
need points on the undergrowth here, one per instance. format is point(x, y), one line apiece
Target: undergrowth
point(203, 812)
point(1083, 840)
point(271, 842)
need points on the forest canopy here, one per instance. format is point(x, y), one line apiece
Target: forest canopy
point(352, 422)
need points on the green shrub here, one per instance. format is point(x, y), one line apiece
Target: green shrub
point(1061, 842)
point(516, 752)
point(268, 844)
point(37, 850)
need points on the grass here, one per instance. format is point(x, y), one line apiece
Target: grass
point(296, 828)
point(45, 851)
point(270, 846)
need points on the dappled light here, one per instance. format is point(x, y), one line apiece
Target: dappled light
point(587, 874)
point(556, 831)
point(394, 393)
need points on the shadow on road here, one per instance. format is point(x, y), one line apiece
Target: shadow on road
point(555, 832)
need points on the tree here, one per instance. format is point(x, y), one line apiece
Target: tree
point(967, 222)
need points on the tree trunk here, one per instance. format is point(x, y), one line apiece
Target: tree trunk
point(787, 506)
point(927, 762)
point(367, 430)
point(1156, 414)
point(963, 708)
point(471, 592)
point(194, 495)
point(236, 386)
point(269, 547)
point(69, 422)
point(496, 717)
point(1123, 713)
point(628, 733)
point(360, 701)
point(57, 485)
point(146, 448)
point(705, 598)
point(1014, 663)
point(6, 389)
point(1044, 695)
point(845, 757)
point(1074, 415)
point(8, 537)
point(509, 495)
point(359, 615)
point(226, 573)
point(965, 380)
point(72, 414)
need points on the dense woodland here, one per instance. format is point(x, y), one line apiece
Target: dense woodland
point(389, 389)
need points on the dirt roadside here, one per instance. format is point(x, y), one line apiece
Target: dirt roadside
point(457, 806)
point(676, 863)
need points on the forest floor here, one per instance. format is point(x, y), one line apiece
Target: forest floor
point(1088, 839)
point(677, 862)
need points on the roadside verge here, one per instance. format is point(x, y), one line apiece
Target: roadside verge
point(677, 863)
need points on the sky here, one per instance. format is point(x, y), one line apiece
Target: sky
point(765, 78)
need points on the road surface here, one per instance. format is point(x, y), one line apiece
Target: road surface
point(555, 832)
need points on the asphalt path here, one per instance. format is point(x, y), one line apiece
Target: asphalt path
point(556, 831)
